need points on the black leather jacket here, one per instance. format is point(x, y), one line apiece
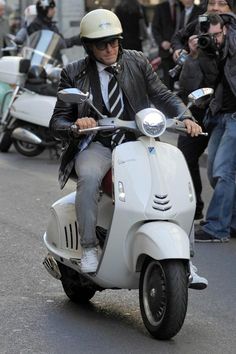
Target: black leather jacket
point(141, 88)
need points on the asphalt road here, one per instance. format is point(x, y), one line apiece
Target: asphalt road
point(37, 317)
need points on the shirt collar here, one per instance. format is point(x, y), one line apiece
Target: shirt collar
point(102, 67)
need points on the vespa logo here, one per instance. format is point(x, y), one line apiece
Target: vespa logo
point(151, 150)
point(104, 25)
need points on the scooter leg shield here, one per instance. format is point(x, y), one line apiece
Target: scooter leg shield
point(160, 240)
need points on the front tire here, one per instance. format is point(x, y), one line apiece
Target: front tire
point(5, 141)
point(163, 297)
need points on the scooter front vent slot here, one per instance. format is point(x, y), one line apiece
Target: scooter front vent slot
point(66, 236)
point(161, 202)
point(76, 236)
point(71, 236)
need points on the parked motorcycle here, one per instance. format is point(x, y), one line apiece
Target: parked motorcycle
point(144, 223)
point(27, 109)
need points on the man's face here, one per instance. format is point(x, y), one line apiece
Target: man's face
point(106, 53)
point(218, 34)
point(187, 3)
point(218, 6)
point(51, 12)
point(2, 10)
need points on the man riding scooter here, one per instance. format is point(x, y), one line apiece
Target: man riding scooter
point(121, 83)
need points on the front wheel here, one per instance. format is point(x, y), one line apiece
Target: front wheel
point(163, 297)
point(5, 141)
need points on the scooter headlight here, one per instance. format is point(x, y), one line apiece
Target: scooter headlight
point(151, 122)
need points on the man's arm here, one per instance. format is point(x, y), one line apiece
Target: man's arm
point(179, 41)
point(64, 113)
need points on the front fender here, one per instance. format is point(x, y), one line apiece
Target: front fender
point(159, 240)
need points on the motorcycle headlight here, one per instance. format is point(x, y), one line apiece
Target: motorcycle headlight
point(151, 122)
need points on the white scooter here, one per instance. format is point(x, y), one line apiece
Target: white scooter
point(144, 227)
point(27, 109)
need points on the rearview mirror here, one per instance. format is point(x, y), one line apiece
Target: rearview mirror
point(73, 95)
point(198, 97)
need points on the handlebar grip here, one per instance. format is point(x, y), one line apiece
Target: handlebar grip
point(74, 128)
point(78, 131)
point(184, 130)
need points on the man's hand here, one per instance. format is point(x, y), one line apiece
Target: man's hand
point(193, 45)
point(176, 54)
point(192, 128)
point(85, 123)
point(166, 45)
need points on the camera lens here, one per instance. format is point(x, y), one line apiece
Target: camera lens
point(203, 42)
point(206, 42)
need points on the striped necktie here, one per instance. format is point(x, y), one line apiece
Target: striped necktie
point(114, 94)
point(116, 105)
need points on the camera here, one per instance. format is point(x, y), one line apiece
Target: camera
point(177, 68)
point(206, 42)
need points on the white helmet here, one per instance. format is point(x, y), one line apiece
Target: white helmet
point(30, 13)
point(99, 24)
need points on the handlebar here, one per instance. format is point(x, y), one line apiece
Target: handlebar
point(108, 124)
point(179, 127)
point(77, 131)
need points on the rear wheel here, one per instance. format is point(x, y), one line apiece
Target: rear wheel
point(77, 288)
point(163, 296)
point(27, 149)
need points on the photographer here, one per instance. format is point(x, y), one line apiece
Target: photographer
point(214, 65)
point(179, 41)
point(192, 150)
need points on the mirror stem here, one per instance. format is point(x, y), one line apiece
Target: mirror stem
point(96, 110)
point(181, 114)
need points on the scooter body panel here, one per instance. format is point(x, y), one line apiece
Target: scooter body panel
point(10, 70)
point(149, 172)
point(153, 214)
point(160, 240)
point(33, 108)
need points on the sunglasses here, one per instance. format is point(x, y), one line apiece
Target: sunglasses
point(103, 45)
point(219, 3)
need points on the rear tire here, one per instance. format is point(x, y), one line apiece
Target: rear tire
point(163, 296)
point(27, 149)
point(76, 287)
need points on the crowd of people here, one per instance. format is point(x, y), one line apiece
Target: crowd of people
point(211, 66)
point(178, 29)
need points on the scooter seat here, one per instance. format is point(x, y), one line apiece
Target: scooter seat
point(107, 183)
point(106, 186)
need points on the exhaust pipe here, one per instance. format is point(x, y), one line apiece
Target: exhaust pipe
point(26, 136)
point(51, 266)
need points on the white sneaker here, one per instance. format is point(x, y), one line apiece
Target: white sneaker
point(89, 260)
point(197, 282)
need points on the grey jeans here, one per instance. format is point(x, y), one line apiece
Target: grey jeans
point(91, 165)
